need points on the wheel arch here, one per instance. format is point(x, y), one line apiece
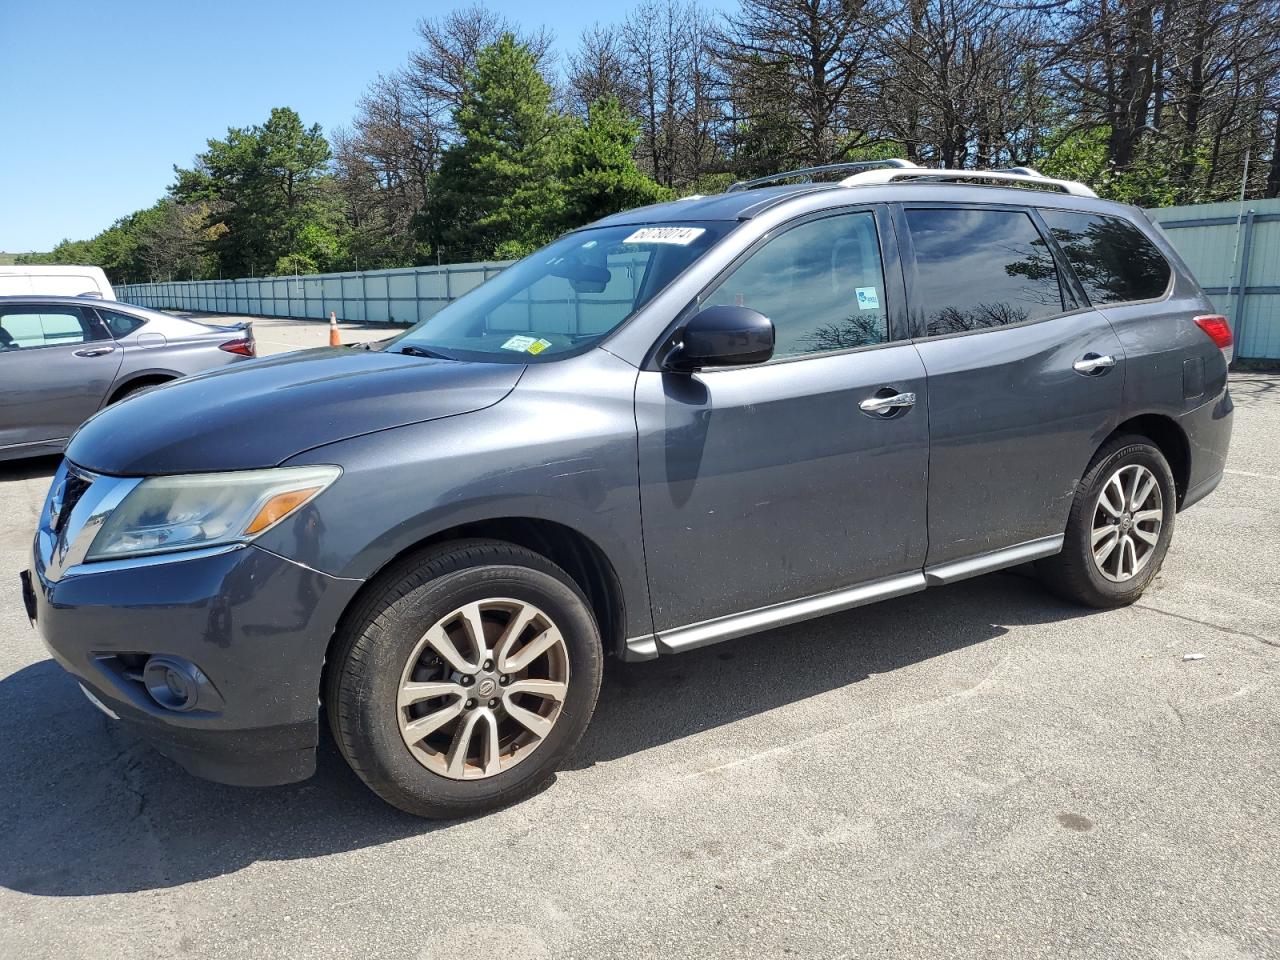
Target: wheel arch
point(147, 378)
point(1169, 437)
point(578, 555)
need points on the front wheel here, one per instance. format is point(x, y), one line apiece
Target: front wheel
point(464, 679)
point(1119, 528)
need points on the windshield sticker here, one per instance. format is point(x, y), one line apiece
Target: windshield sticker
point(522, 344)
point(868, 299)
point(681, 236)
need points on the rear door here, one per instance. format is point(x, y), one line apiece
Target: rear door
point(770, 483)
point(57, 363)
point(1025, 380)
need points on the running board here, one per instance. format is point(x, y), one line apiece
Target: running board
point(954, 570)
point(794, 611)
point(780, 615)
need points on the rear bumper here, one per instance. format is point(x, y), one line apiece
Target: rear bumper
point(256, 627)
point(1208, 432)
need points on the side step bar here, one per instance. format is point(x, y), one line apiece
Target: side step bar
point(736, 625)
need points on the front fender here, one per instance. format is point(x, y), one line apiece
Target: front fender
point(539, 454)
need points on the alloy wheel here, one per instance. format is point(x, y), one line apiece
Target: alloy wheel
point(1127, 519)
point(483, 688)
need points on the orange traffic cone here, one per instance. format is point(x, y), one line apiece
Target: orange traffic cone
point(334, 339)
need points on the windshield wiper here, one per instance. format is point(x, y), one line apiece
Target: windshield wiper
point(416, 351)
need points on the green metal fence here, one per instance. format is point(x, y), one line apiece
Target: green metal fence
point(1234, 251)
point(375, 296)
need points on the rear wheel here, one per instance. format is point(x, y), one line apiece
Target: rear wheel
point(1119, 529)
point(465, 679)
point(135, 389)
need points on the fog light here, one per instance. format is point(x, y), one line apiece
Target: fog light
point(172, 683)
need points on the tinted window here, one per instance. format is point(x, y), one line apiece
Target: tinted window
point(1113, 258)
point(980, 268)
point(23, 327)
point(120, 324)
point(820, 283)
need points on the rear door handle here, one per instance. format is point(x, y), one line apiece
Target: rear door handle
point(1092, 363)
point(886, 405)
point(95, 351)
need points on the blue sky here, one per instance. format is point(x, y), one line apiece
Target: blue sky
point(98, 100)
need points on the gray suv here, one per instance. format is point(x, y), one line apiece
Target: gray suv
point(676, 426)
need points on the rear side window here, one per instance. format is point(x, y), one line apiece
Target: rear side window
point(120, 324)
point(820, 283)
point(977, 269)
point(1114, 260)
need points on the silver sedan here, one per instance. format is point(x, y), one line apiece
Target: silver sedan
point(64, 358)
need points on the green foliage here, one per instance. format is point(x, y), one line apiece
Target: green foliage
point(601, 176)
point(268, 185)
point(498, 186)
point(1084, 156)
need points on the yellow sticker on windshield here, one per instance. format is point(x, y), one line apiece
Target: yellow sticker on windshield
point(525, 344)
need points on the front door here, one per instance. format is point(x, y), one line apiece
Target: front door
point(57, 364)
point(766, 484)
point(1024, 380)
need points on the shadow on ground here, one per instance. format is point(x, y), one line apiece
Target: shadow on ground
point(87, 809)
point(30, 468)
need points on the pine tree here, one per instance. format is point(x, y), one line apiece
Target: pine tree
point(601, 176)
point(498, 193)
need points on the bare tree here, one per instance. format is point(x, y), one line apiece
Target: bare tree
point(957, 88)
point(1108, 54)
point(385, 162)
point(665, 44)
point(600, 70)
point(439, 70)
point(798, 74)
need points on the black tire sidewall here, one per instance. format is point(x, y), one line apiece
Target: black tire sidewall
point(368, 729)
point(1130, 451)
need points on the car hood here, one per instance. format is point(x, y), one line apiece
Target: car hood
point(260, 413)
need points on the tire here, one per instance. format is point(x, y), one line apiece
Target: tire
point(383, 659)
point(136, 389)
point(1118, 580)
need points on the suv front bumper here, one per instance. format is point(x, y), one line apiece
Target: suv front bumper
point(254, 625)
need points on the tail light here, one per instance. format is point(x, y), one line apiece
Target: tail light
point(1216, 326)
point(243, 347)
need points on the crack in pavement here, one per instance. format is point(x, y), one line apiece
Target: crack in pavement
point(1212, 626)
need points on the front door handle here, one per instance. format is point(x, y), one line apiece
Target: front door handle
point(95, 351)
point(886, 405)
point(1092, 363)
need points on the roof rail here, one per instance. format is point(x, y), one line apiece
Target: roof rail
point(809, 172)
point(1011, 176)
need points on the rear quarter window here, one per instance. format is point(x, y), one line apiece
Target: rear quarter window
point(1114, 260)
point(120, 324)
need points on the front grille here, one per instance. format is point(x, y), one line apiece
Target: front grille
point(74, 487)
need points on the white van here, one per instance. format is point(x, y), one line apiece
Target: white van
point(26, 279)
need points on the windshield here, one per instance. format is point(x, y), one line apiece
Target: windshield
point(565, 297)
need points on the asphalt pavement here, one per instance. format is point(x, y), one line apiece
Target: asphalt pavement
point(977, 771)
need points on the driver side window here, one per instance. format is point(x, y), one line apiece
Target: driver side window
point(821, 283)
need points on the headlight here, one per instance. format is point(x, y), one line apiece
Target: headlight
point(205, 509)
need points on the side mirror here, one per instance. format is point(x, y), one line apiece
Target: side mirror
point(723, 336)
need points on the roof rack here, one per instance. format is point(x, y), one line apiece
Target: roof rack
point(1012, 176)
point(895, 163)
